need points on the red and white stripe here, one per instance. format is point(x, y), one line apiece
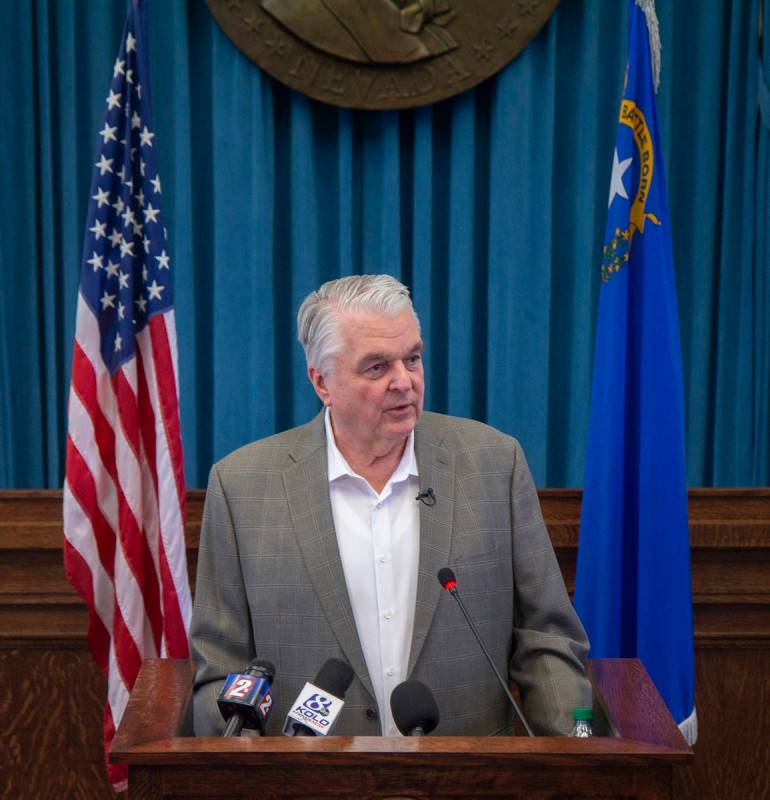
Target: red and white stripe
point(124, 507)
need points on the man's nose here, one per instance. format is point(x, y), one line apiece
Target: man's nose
point(401, 380)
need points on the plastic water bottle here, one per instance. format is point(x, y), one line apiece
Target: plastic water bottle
point(583, 718)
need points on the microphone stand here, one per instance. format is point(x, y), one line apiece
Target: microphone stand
point(453, 591)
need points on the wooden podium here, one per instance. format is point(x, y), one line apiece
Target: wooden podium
point(636, 758)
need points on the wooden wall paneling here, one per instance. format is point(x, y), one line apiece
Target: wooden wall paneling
point(730, 564)
point(732, 757)
point(51, 694)
point(51, 697)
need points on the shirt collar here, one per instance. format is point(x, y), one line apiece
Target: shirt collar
point(338, 466)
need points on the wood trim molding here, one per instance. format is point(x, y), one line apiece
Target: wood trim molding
point(729, 538)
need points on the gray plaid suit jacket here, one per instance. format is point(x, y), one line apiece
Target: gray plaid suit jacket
point(270, 583)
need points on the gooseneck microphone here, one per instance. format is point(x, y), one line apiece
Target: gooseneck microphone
point(318, 705)
point(414, 708)
point(447, 579)
point(245, 700)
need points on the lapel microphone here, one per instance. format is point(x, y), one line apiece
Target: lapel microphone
point(427, 497)
point(447, 579)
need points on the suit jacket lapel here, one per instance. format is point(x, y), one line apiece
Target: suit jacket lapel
point(307, 492)
point(437, 470)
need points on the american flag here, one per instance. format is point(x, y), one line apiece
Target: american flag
point(124, 491)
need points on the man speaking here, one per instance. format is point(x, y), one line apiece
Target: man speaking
point(324, 542)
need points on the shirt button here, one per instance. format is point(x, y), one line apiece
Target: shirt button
point(388, 615)
point(390, 671)
point(383, 559)
point(393, 730)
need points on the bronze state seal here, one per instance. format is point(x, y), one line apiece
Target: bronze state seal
point(381, 54)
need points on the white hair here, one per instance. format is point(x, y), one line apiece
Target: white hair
point(319, 315)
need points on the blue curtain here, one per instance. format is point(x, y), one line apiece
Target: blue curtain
point(761, 273)
point(490, 206)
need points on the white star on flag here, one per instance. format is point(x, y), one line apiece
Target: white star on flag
point(145, 137)
point(107, 300)
point(99, 229)
point(155, 290)
point(102, 197)
point(128, 217)
point(108, 133)
point(616, 182)
point(96, 261)
point(104, 164)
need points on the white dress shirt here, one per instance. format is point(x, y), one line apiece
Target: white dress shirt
point(379, 541)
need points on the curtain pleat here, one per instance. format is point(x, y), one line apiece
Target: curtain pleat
point(760, 465)
point(733, 321)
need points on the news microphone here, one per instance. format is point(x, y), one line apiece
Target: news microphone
point(319, 703)
point(245, 700)
point(414, 708)
point(447, 579)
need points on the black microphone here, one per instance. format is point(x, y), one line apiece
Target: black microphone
point(319, 703)
point(427, 497)
point(414, 708)
point(245, 700)
point(446, 578)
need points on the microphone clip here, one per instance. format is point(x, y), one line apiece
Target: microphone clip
point(427, 497)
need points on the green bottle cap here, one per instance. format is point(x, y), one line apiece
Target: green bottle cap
point(583, 713)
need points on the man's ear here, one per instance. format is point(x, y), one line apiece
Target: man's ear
point(319, 384)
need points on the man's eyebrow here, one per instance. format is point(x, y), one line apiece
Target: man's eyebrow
point(370, 358)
